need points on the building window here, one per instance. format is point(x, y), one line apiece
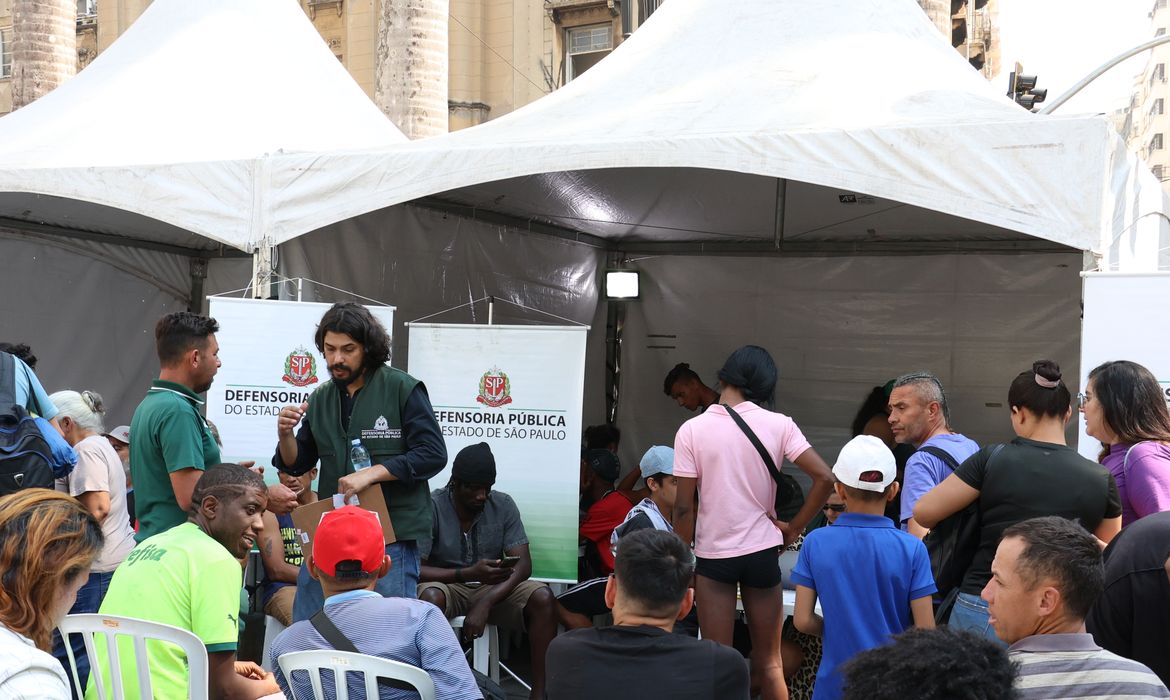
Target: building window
point(86, 7)
point(1160, 31)
point(1158, 107)
point(1157, 171)
point(585, 46)
point(1159, 4)
point(647, 8)
point(1155, 144)
point(1158, 74)
point(6, 52)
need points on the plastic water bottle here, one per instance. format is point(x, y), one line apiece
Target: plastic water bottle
point(359, 456)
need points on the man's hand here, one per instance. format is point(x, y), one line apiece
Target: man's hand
point(253, 672)
point(487, 571)
point(251, 465)
point(249, 669)
point(288, 418)
point(789, 533)
point(350, 484)
point(281, 499)
point(475, 620)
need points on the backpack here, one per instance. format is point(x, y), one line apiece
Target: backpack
point(26, 457)
point(952, 543)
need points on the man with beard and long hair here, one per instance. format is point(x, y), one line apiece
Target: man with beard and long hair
point(390, 413)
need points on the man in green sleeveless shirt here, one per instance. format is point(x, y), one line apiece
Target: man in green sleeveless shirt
point(389, 411)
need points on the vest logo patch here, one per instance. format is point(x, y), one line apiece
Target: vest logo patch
point(382, 431)
point(495, 389)
point(300, 368)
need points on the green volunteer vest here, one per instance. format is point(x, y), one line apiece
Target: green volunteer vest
point(377, 421)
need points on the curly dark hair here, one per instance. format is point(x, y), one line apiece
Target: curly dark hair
point(939, 664)
point(357, 322)
point(22, 352)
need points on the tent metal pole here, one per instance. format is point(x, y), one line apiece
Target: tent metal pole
point(781, 208)
point(198, 274)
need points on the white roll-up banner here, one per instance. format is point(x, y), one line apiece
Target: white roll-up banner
point(519, 389)
point(269, 361)
point(1124, 319)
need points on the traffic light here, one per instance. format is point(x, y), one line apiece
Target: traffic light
point(1022, 89)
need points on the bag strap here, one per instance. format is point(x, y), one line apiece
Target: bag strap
point(7, 382)
point(329, 631)
point(942, 454)
point(768, 461)
point(1125, 462)
point(340, 642)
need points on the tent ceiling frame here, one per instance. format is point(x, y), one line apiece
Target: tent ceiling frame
point(776, 246)
point(65, 232)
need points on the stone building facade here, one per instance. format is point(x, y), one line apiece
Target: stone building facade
point(503, 54)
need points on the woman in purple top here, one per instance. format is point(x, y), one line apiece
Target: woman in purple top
point(1125, 409)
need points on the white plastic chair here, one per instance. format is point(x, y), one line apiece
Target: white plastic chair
point(272, 629)
point(110, 627)
point(485, 653)
point(343, 662)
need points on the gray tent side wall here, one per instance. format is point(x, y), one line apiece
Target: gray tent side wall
point(837, 326)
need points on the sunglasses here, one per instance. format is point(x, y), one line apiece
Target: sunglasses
point(835, 507)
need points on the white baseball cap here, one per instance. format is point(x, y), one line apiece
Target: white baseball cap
point(121, 434)
point(866, 463)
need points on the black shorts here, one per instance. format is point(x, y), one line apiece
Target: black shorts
point(756, 570)
point(586, 598)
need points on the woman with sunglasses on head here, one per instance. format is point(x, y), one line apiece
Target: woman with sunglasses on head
point(1034, 475)
point(1125, 409)
point(48, 542)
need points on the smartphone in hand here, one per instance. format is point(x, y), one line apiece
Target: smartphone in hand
point(509, 561)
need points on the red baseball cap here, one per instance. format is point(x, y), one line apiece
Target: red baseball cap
point(348, 533)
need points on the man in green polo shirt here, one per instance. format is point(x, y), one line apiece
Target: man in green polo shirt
point(170, 441)
point(389, 412)
point(190, 577)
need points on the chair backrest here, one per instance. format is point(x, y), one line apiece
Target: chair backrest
point(109, 628)
point(343, 662)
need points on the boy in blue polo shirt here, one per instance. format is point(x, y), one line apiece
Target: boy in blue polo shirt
point(873, 580)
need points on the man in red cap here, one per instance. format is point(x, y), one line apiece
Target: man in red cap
point(348, 557)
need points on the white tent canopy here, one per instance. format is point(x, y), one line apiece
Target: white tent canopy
point(751, 125)
point(168, 135)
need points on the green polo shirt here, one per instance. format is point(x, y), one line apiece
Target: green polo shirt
point(183, 578)
point(167, 434)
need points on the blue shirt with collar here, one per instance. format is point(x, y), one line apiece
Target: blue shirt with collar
point(865, 573)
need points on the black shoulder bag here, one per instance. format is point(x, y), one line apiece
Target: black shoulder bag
point(789, 495)
point(952, 543)
point(325, 627)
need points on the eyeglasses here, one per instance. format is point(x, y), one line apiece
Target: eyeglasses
point(835, 507)
point(1083, 399)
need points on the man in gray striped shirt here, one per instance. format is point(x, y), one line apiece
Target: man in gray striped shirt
point(1046, 575)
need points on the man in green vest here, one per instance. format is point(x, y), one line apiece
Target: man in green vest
point(390, 413)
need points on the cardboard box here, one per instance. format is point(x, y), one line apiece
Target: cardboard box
point(307, 518)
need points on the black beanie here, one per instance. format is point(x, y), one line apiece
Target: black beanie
point(751, 370)
point(475, 464)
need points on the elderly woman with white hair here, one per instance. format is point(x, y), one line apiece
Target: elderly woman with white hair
point(99, 483)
